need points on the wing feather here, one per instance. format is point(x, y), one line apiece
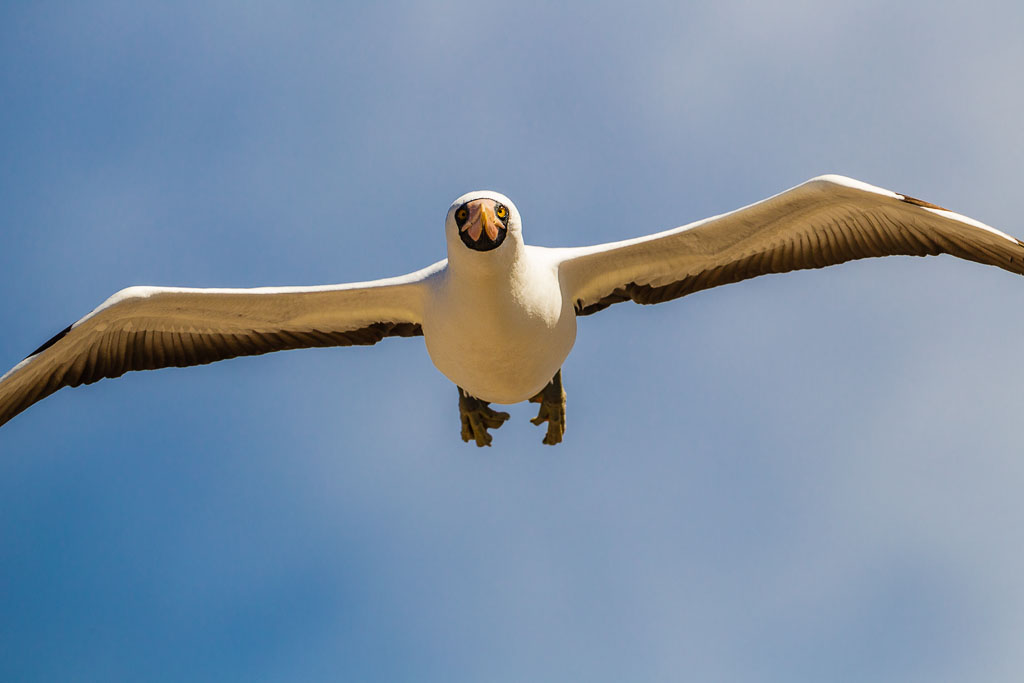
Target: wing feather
point(144, 328)
point(826, 221)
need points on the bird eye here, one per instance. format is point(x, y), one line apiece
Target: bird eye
point(462, 214)
point(500, 211)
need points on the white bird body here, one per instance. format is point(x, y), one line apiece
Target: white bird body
point(500, 333)
point(498, 316)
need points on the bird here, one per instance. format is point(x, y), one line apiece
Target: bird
point(498, 316)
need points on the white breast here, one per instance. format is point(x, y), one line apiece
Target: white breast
point(501, 334)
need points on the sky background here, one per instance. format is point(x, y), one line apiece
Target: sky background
point(802, 477)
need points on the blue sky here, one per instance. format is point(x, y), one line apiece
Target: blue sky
point(805, 477)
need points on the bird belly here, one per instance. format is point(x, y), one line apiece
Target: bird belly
point(500, 351)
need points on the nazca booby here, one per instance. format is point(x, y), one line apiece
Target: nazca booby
point(499, 316)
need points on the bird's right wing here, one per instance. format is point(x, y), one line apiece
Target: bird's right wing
point(143, 328)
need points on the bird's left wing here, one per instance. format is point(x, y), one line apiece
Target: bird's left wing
point(143, 328)
point(825, 221)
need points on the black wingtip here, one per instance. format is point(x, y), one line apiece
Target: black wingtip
point(56, 338)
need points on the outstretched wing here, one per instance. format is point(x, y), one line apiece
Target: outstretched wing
point(825, 221)
point(143, 328)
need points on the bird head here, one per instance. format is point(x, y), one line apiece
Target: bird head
point(481, 221)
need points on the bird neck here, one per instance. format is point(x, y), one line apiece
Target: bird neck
point(493, 266)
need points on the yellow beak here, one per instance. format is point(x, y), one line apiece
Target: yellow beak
point(485, 222)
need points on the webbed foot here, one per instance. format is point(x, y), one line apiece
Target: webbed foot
point(552, 409)
point(477, 417)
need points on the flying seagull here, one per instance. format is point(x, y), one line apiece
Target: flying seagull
point(499, 316)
